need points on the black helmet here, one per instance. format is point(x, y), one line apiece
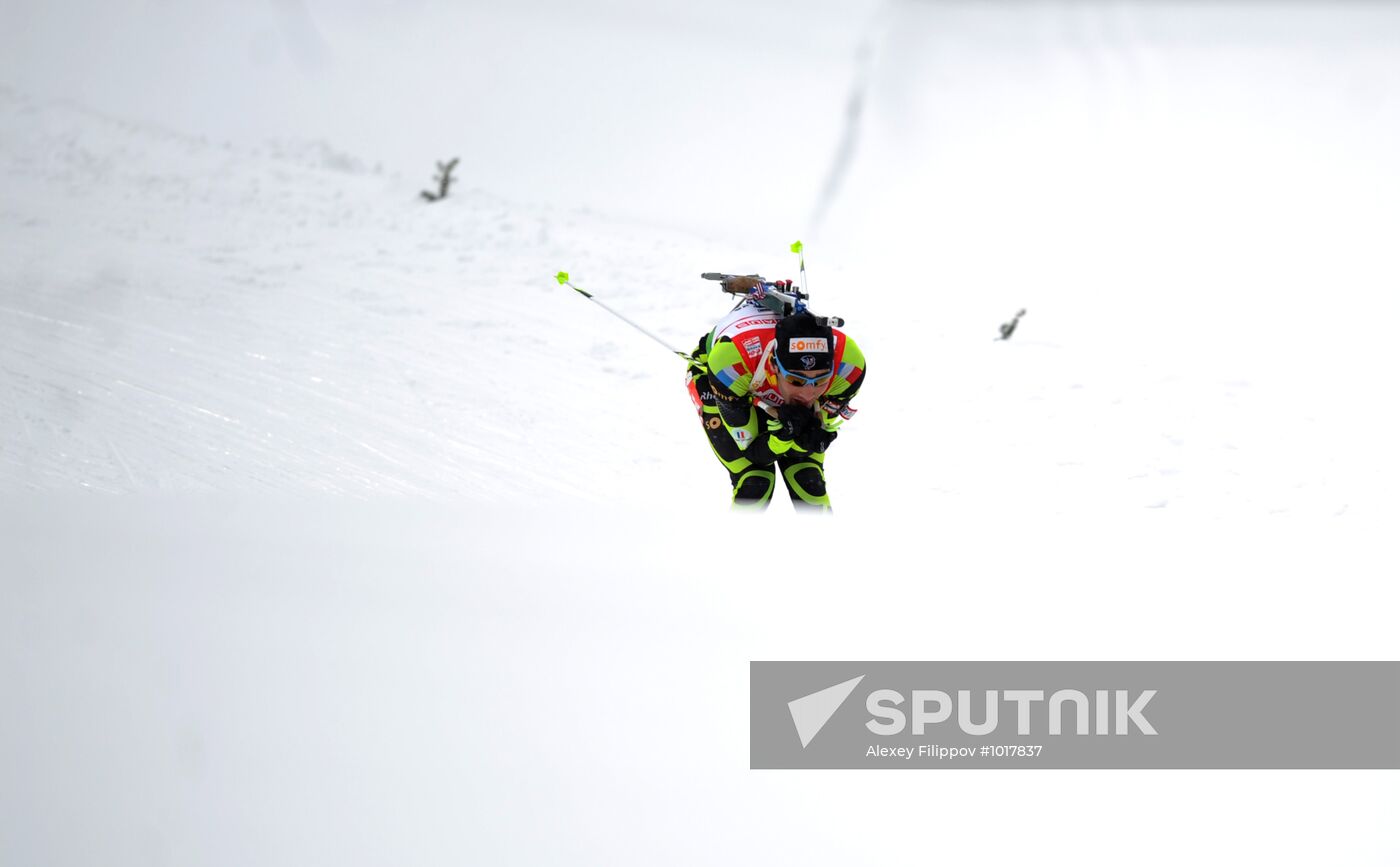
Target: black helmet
point(804, 343)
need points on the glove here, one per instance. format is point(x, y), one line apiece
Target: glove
point(815, 439)
point(796, 418)
point(805, 428)
point(783, 430)
point(787, 426)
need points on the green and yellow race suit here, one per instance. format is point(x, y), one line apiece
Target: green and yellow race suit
point(735, 390)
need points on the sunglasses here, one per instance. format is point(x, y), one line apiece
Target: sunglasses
point(797, 380)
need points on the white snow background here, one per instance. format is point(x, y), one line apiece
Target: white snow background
point(334, 530)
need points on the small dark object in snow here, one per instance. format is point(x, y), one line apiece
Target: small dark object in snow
point(1009, 328)
point(444, 179)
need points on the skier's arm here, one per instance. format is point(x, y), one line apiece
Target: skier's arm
point(757, 434)
point(850, 376)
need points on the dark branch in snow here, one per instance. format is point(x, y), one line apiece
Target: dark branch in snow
point(1009, 328)
point(444, 179)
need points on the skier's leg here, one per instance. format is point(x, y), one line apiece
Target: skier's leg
point(752, 483)
point(754, 487)
point(806, 480)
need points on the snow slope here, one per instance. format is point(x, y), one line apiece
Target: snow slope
point(182, 314)
point(421, 556)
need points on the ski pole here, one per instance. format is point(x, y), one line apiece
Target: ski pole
point(563, 278)
point(801, 266)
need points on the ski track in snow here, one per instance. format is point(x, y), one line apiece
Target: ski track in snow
point(243, 323)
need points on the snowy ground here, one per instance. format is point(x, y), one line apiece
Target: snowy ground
point(186, 315)
point(334, 529)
